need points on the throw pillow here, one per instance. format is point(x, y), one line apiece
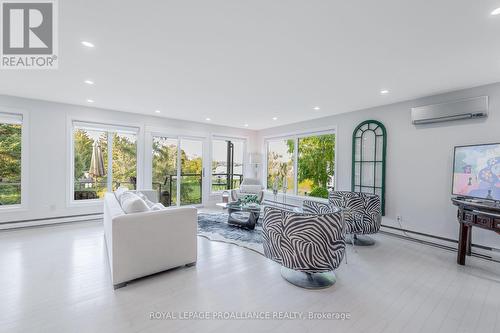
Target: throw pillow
point(145, 198)
point(249, 198)
point(132, 203)
point(119, 192)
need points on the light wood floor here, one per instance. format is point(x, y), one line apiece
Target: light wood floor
point(56, 279)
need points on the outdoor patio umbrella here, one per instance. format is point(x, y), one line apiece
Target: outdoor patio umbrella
point(97, 161)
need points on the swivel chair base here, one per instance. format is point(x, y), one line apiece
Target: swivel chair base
point(359, 240)
point(308, 280)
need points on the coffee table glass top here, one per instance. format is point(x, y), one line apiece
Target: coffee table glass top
point(241, 206)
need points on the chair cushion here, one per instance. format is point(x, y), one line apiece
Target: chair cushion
point(132, 203)
point(250, 181)
point(254, 189)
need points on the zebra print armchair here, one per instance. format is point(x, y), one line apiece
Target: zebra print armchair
point(363, 214)
point(308, 245)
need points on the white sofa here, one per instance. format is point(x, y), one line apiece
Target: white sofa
point(142, 244)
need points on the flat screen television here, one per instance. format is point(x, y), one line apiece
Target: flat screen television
point(476, 171)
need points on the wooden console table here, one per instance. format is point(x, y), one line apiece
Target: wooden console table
point(484, 215)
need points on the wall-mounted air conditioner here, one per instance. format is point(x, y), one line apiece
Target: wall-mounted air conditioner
point(476, 107)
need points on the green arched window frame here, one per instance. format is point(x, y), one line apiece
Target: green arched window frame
point(369, 145)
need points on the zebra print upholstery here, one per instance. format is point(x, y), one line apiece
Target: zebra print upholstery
point(305, 242)
point(363, 214)
point(315, 207)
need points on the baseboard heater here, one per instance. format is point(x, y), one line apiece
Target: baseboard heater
point(50, 220)
point(438, 245)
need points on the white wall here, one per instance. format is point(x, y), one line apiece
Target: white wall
point(419, 159)
point(48, 153)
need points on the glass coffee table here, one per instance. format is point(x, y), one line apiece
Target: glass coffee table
point(242, 215)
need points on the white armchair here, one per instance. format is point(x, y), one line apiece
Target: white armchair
point(249, 186)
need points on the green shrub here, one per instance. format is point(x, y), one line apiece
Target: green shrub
point(319, 192)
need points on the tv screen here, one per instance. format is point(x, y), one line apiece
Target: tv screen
point(476, 171)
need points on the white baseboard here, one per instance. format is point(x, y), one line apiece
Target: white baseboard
point(487, 252)
point(48, 221)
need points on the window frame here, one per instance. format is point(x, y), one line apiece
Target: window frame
point(110, 128)
point(179, 137)
point(24, 115)
point(244, 140)
point(296, 136)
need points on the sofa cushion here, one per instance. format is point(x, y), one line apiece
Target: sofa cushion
point(132, 203)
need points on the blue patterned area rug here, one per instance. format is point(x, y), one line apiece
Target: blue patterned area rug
point(213, 226)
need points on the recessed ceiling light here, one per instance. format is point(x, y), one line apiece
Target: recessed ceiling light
point(90, 100)
point(208, 119)
point(384, 92)
point(87, 44)
point(317, 108)
point(157, 111)
point(246, 125)
point(89, 82)
point(275, 118)
point(496, 11)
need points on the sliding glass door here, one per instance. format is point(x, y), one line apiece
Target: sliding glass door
point(177, 158)
point(227, 163)
point(104, 158)
point(165, 169)
point(191, 172)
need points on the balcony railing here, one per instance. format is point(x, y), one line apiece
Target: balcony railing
point(220, 181)
point(191, 189)
point(88, 190)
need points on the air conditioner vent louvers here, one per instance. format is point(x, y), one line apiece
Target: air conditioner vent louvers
point(476, 107)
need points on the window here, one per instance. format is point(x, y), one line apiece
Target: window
point(316, 164)
point(124, 160)
point(165, 169)
point(105, 157)
point(177, 170)
point(191, 190)
point(10, 159)
point(280, 165)
point(305, 164)
point(227, 163)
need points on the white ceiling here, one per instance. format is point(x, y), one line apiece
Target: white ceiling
point(240, 62)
